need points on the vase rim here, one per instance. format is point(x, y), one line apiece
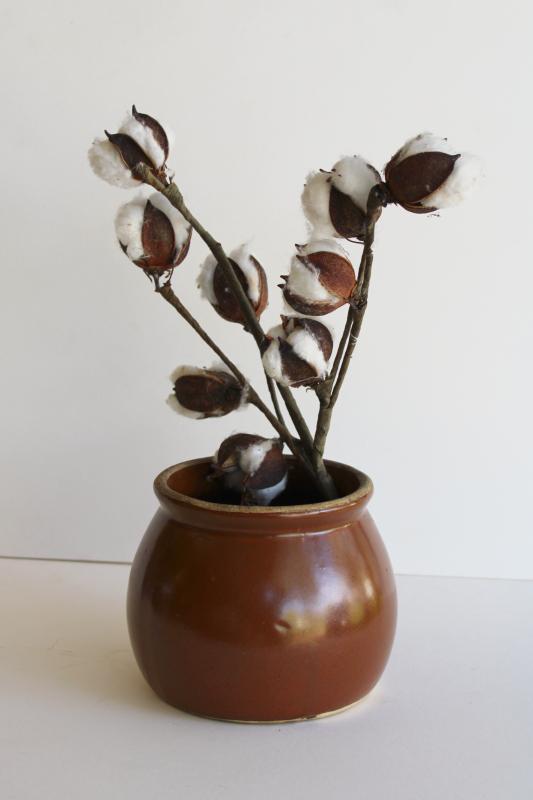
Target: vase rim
point(357, 497)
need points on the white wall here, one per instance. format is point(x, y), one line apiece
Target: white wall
point(438, 406)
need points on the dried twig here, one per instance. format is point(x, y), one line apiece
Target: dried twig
point(174, 196)
point(329, 394)
point(166, 291)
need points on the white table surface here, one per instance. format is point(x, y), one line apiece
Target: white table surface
point(452, 717)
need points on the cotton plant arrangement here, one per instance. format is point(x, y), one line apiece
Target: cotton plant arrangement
point(342, 204)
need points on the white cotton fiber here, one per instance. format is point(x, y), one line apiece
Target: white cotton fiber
point(175, 405)
point(179, 372)
point(251, 457)
point(106, 162)
point(278, 331)
point(242, 257)
point(467, 171)
point(272, 363)
point(424, 143)
point(355, 177)
point(144, 137)
point(205, 279)
point(180, 226)
point(327, 245)
point(315, 203)
point(303, 281)
point(129, 225)
point(172, 400)
point(306, 347)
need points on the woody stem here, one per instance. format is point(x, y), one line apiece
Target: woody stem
point(165, 290)
point(328, 397)
point(274, 397)
point(174, 196)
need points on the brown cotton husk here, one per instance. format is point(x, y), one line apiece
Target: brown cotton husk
point(158, 239)
point(181, 253)
point(335, 273)
point(414, 178)
point(317, 329)
point(272, 470)
point(297, 352)
point(157, 130)
point(298, 371)
point(129, 150)
point(269, 471)
point(314, 308)
point(346, 217)
point(159, 242)
point(228, 452)
point(227, 304)
point(210, 392)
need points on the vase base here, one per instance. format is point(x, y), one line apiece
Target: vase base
point(308, 718)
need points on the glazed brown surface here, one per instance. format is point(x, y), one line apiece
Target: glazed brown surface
point(261, 614)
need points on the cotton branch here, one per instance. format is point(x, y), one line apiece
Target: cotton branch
point(329, 392)
point(424, 175)
point(165, 290)
point(174, 196)
point(271, 384)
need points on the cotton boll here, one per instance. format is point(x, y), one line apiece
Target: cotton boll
point(200, 393)
point(427, 174)
point(321, 278)
point(306, 347)
point(152, 233)
point(298, 355)
point(144, 136)
point(318, 330)
point(253, 466)
point(304, 281)
point(215, 287)
point(335, 203)
point(107, 164)
point(140, 140)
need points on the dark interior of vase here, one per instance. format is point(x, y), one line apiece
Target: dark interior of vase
point(197, 480)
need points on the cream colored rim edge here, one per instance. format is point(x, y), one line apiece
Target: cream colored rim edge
point(161, 485)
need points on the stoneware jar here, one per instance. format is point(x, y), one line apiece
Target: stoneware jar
point(257, 614)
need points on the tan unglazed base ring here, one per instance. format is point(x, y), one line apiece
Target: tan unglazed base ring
point(312, 717)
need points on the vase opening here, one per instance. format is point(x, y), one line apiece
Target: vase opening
point(194, 480)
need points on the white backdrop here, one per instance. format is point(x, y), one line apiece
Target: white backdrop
point(438, 405)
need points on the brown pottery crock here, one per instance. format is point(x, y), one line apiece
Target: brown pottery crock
point(259, 614)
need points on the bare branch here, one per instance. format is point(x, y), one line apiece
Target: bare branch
point(165, 290)
point(329, 396)
point(174, 196)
